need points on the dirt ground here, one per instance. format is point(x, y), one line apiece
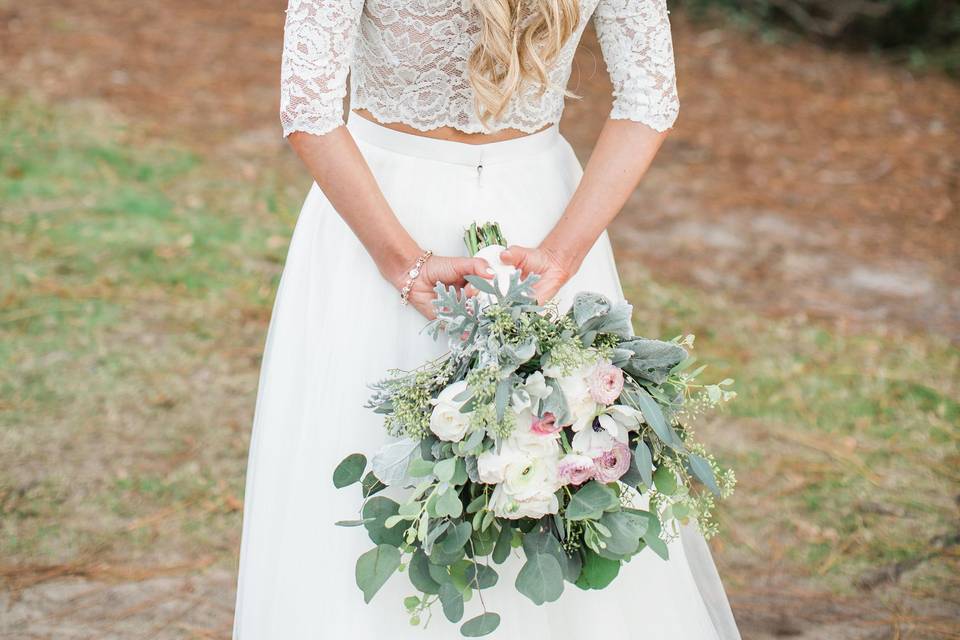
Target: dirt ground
point(798, 182)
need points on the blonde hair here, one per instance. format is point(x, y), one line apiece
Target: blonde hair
point(519, 39)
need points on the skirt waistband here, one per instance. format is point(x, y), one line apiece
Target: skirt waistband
point(473, 155)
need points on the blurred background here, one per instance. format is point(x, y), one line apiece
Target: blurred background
point(802, 220)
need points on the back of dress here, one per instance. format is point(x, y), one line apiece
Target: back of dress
point(409, 64)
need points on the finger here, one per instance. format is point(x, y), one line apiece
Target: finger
point(513, 255)
point(519, 257)
point(482, 268)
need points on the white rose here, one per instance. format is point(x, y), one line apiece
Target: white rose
point(528, 477)
point(580, 403)
point(447, 421)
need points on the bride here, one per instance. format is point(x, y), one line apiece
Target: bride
point(455, 105)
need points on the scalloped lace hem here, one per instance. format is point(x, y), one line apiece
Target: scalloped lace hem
point(384, 116)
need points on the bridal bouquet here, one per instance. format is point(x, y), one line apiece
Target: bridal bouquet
point(558, 436)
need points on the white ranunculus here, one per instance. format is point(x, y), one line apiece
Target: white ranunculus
point(504, 505)
point(447, 422)
point(529, 441)
point(525, 472)
point(580, 403)
point(592, 442)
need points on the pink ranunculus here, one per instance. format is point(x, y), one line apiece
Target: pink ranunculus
point(574, 468)
point(612, 464)
point(605, 382)
point(545, 425)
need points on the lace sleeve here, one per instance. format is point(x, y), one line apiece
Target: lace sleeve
point(318, 40)
point(635, 39)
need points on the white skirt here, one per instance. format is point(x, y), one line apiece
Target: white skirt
point(337, 326)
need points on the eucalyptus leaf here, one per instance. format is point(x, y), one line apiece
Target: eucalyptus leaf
point(653, 414)
point(445, 469)
point(371, 485)
point(477, 503)
point(652, 536)
point(704, 472)
point(456, 537)
point(590, 501)
point(375, 513)
point(449, 505)
point(643, 461)
point(501, 550)
point(435, 533)
point(665, 480)
point(481, 576)
point(484, 624)
point(597, 572)
point(419, 572)
point(349, 523)
point(374, 568)
point(350, 470)
point(452, 602)
point(626, 530)
point(540, 578)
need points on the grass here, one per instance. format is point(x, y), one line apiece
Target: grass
point(137, 284)
point(133, 274)
point(846, 445)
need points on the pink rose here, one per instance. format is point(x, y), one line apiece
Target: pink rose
point(605, 382)
point(545, 425)
point(612, 464)
point(575, 469)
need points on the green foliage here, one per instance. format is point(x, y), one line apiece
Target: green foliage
point(375, 567)
point(922, 32)
point(481, 625)
point(591, 501)
point(350, 470)
point(540, 578)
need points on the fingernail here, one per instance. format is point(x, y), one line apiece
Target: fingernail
point(490, 271)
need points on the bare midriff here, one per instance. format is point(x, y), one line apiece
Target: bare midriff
point(449, 133)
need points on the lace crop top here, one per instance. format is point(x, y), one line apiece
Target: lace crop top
point(408, 63)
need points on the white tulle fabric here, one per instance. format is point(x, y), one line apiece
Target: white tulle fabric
point(336, 327)
point(408, 64)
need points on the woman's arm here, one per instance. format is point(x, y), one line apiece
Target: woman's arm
point(343, 175)
point(621, 157)
point(341, 172)
point(635, 38)
point(319, 38)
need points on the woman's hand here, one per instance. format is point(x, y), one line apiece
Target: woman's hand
point(553, 269)
point(449, 271)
